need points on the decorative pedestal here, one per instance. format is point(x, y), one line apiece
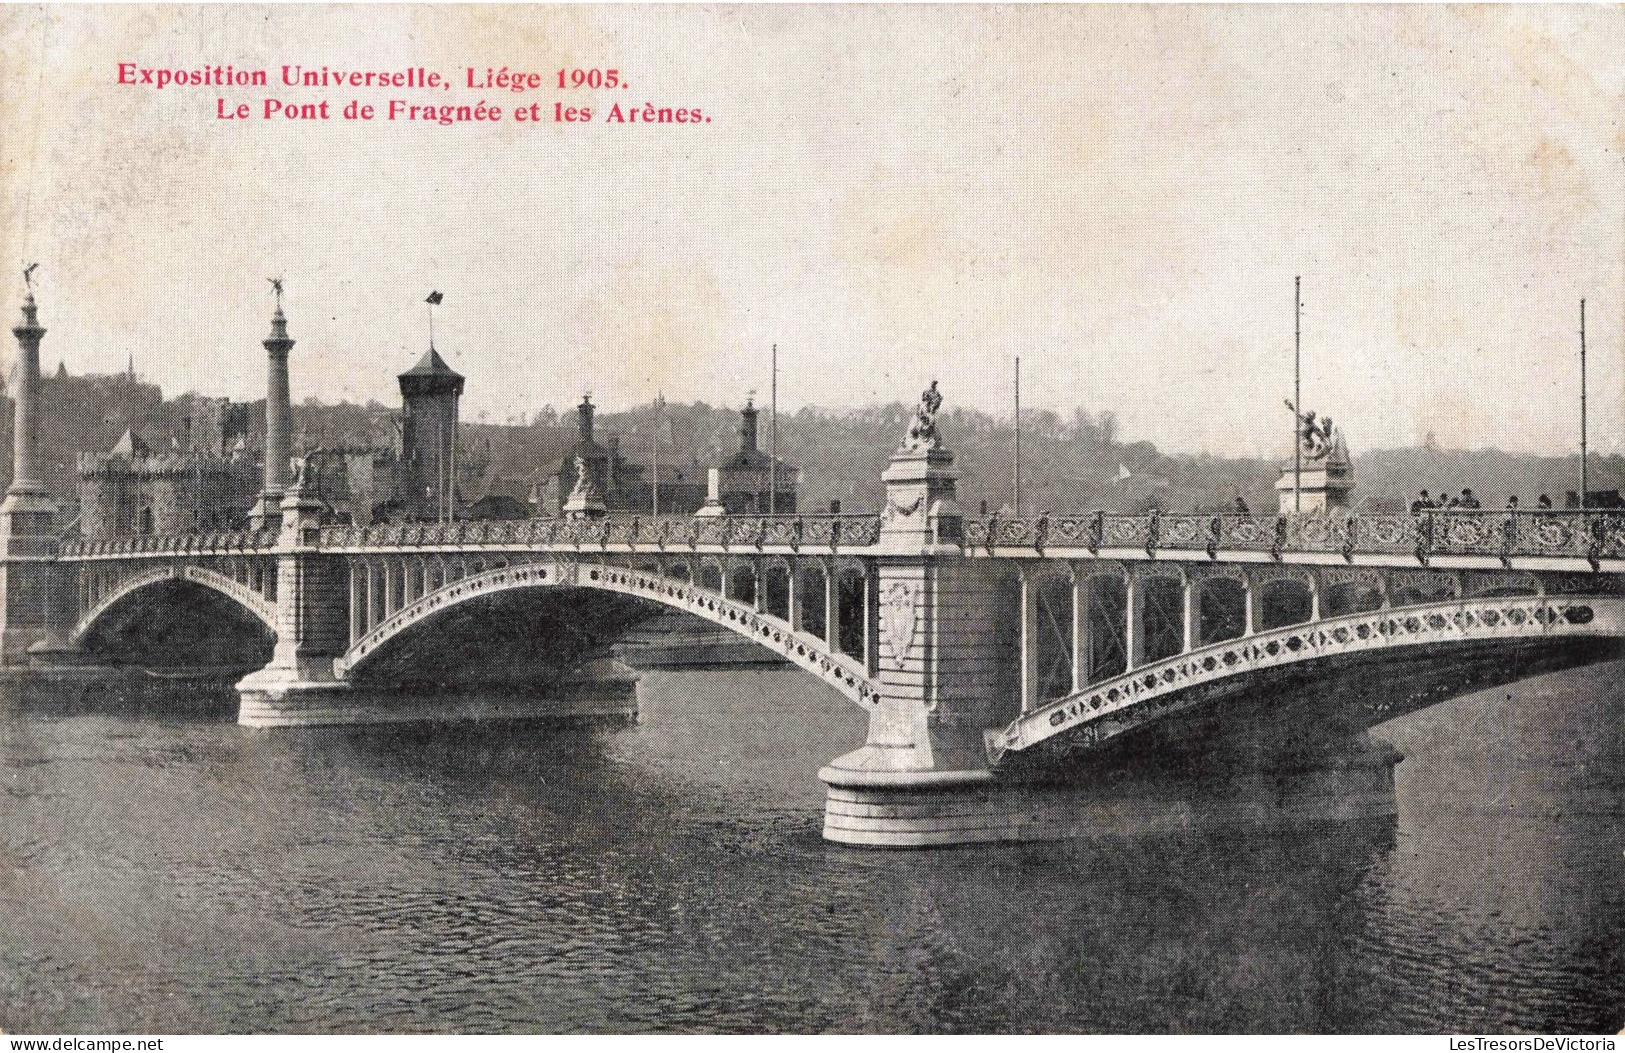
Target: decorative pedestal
point(1326, 488)
point(266, 513)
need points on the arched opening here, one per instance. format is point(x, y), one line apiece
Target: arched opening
point(1107, 612)
point(1162, 617)
point(711, 577)
point(776, 591)
point(1350, 597)
point(1222, 604)
point(1284, 601)
point(812, 587)
point(179, 624)
point(517, 639)
point(850, 601)
point(742, 583)
point(144, 522)
point(1054, 642)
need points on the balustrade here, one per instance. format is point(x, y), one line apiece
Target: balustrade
point(1592, 534)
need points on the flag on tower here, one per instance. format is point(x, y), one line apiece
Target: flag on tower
point(433, 297)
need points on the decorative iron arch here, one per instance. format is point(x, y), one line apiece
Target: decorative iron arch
point(1107, 709)
point(841, 672)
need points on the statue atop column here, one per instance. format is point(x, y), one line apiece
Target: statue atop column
point(1319, 440)
point(1322, 466)
point(922, 430)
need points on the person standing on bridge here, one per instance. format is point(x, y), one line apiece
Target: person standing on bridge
point(1421, 504)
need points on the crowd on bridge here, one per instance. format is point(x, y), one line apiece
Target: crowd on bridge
point(1467, 501)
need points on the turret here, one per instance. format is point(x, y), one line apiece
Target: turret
point(430, 392)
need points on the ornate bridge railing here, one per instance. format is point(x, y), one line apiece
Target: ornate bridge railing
point(1590, 535)
point(678, 532)
point(214, 543)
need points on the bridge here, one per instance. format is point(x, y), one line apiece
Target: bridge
point(999, 659)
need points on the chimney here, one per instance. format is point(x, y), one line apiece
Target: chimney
point(584, 418)
point(747, 428)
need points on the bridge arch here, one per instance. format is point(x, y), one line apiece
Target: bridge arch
point(847, 675)
point(1484, 630)
point(243, 593)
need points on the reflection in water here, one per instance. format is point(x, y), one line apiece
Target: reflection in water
point(163, 869)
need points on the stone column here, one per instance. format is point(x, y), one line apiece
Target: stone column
point(792, 597)
point(278, 420)
point(1083, 651)
point(1192, 609)
point(832, 608)
point(375, 596)
point(36, 595)
point(355, 604)
point(1029, 640)
point(25, 478)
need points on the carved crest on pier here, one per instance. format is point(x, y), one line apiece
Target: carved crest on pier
point(897, 618)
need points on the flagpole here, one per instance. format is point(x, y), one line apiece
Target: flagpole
point(773, 438)
point(1584, 478)
point(1015, 480)
point(1297, 392)
point(654, 459)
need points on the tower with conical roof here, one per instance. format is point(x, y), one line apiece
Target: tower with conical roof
point(430, 392)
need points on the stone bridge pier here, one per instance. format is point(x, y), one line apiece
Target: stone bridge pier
point(312, 627)
point(941, 673)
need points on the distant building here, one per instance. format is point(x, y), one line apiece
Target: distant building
point(740, 483)
point(197, 464)
point(751, 482)
point(207, 482)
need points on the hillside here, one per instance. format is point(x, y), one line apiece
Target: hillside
point(1072, 463)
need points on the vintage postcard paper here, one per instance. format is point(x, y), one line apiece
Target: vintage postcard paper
point(784, 519)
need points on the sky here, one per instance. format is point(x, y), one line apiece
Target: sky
point(1121, 196)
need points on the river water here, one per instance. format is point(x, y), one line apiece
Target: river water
point(163, 870)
